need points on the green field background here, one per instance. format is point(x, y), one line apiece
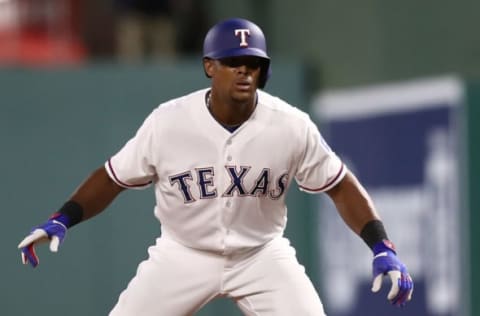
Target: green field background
point(473, 175)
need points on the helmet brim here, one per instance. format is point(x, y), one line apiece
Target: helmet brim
point(236, 52)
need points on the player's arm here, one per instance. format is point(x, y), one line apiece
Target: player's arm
point(88, 200)
point(353, 203)
point(96, 193)
point(357, 210)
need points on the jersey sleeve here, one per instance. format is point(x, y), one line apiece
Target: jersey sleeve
point(320, 169)
point(132, 167)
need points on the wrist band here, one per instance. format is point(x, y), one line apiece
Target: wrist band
point(373, 232)
point(73, 211)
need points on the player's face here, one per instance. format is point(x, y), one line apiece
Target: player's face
point(235, 77)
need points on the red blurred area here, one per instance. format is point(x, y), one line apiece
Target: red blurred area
point(40, 32)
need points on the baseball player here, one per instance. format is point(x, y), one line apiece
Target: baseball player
point(221, 160)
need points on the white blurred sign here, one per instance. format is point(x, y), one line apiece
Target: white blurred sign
point(403, 142)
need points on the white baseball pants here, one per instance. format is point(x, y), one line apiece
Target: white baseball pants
point(177, 281)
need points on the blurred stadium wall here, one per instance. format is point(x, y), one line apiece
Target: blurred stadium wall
point(407, 143)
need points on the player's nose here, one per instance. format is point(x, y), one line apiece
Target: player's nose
point(244, 69)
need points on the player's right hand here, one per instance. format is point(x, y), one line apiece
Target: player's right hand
point(54, 230)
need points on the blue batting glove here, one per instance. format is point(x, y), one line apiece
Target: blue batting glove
point(385, 261)
point(54, 230)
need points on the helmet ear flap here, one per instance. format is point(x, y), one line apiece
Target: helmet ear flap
point(204, 62)
point(265, 74)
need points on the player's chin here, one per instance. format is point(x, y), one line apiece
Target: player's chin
point(242, 98)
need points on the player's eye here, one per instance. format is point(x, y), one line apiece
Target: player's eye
point(250, 62)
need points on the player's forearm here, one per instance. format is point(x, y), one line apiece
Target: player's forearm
point(353, 203)
point(95, 193)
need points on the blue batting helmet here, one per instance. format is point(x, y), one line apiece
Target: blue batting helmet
point(238, 37)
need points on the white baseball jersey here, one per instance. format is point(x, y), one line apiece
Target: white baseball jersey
point(222, 191)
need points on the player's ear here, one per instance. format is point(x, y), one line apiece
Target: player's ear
point(208, 66)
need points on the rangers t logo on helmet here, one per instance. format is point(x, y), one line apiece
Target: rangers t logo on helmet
point(243, 36)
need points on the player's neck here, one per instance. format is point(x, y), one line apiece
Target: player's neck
point(230, 113)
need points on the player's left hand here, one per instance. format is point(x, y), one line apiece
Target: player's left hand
point(386, 262)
